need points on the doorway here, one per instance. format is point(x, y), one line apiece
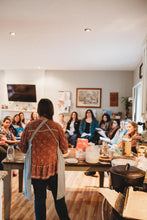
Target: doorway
point(137, 102)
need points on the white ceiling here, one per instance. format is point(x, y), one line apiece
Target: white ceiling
point(50, 34)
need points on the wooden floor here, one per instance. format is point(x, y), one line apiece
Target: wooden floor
point(82, 199)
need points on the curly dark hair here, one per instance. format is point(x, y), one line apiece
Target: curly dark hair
point(107, 116)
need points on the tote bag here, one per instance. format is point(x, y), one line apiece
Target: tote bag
point(61, 170)
point(28, 164)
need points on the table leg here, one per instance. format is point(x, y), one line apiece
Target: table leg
point(20, 180)
point(101, 179)
point(7, 193)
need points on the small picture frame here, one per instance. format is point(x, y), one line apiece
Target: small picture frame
point(113, 98)
point(140, 71)
point(88, 97)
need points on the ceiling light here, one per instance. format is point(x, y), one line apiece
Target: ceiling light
point(12, 34)
point(87, 29)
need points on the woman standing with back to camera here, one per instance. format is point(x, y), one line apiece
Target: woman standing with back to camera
point(44, 158)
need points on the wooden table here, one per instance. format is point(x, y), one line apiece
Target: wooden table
point(83, 166)
point(3, 174)
point(18, 163)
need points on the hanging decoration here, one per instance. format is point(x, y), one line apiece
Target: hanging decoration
point(64, 101)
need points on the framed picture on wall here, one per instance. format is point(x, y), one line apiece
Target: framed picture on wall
point(88, 97)
point(113, 98)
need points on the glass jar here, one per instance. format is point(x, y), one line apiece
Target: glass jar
point(92, 154)
point(141, 149)
point(81, 155)
point(10, 152)
point(126, 146)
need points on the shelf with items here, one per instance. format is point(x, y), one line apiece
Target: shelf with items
point(117, 115)
point(12, 112)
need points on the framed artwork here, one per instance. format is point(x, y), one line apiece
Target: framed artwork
point(88, 98)
point(113, 98)
point(140, 71)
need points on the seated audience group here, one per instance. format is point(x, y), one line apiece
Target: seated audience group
point(10, 133)
point(110, 130)
point(89, 128)
point(113, 130)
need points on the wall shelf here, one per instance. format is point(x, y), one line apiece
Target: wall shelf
point(12, 112)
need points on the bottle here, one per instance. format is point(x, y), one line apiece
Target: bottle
point(10, 152)
point(105, 149)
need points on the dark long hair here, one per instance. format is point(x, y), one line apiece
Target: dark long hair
point(89, 110)
point(19, 122)
point(6, 118)
point(45, 108)
point(23, 120)
point(107, 116)
point(71, 117)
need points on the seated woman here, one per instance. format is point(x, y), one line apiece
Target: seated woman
point(34, 116)
point(132, 128)
point(17, 125)
point(115, 125)
point(3, 149)
point(22, 119)
point(72, 130)
point(104, 128)
point(9, 139)
point(11, 127)
point(62, 122)
point(87, 130)
point(105, 123)
point(4, 130)
point(119, 134)
point(88, 126)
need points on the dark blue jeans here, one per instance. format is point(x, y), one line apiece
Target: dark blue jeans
point(72, 139)
point(40, 187)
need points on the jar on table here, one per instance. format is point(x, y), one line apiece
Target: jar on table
point(126, 146)
point(141, 150)
point(92, 154)
point(10, 152)
point(81, 155)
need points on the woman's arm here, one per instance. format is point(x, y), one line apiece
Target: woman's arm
point(12, 141)
point(82, 126)
point(64, 126)
point(93, 127)
point(23, 144)
point(119, 145)
point(135, 138)
point(63, 143)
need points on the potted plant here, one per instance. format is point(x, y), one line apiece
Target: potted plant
point(127, 104)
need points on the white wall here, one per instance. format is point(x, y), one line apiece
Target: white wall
point(109, 81)
point(21, 77)
point(48, 83)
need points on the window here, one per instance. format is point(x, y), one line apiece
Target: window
point(137, 103)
